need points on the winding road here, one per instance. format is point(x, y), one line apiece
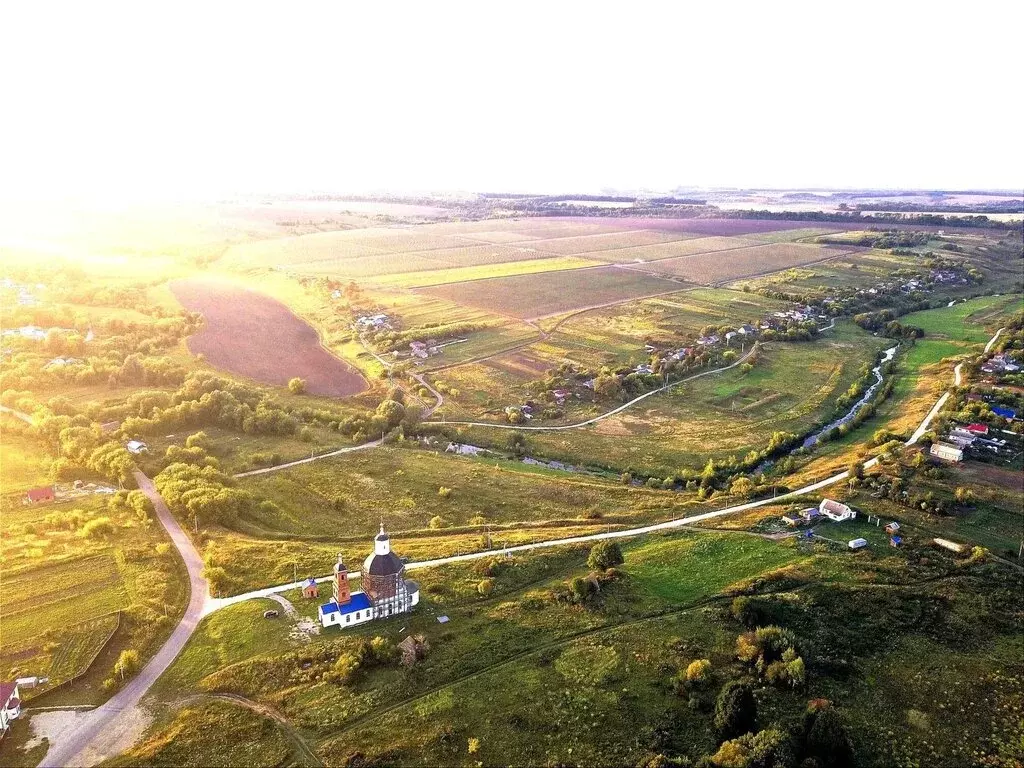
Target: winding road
point(106, 731)
point(681, 522)
point(612, 412)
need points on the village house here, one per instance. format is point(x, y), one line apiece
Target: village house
point(386, 591)
point(418, 349)
point(977, 429)
point(746, 330)
point(947, 452)
point(895, 541)
point(136, 447)
point(857, 544)
point(892, 527)
point(10, 706)
point(835, 510)
point(310, 589)
point(42, 495)
point(60, 362)
point(372, 321)
point(792, 520)
point(1006, 413)
point(810, 514)
point(730, 336)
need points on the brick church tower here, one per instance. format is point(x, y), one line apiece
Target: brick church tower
point(342, 593)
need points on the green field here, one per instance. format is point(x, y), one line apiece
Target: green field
point(790, 389)
point(593, 683)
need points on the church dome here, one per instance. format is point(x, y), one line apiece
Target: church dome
point(382, 565)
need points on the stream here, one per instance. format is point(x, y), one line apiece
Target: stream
point(877, 370)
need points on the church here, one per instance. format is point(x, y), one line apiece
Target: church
point(385, 591)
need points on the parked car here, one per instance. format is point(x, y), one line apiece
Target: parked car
point(271, 614)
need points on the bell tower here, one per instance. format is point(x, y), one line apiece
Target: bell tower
point(342, 593)
point(382, 542)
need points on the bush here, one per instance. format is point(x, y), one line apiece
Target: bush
point(605, 554)
point(98, 528)
point(444, 492)
point(437, 522)
point(735, 710)
point(485, 587)
point(297, 386)
point(699, 671)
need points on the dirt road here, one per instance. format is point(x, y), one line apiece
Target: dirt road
point(114, 726)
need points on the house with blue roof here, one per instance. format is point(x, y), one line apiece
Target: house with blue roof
point(1006, 413)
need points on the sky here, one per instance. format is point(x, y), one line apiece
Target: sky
point(180, 100)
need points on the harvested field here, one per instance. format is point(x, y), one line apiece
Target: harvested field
point(542, 295)
point(727, 227)
point(659, 251)
point(483, 271)
point(607, 241)
point(252, 335)
point(743, 262)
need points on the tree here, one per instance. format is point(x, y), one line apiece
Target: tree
point(436, 523)
point(127, 664)
point(735, 710)
point(297, 386)
point(485, 587)
point(608, 386)
point(742, 486)
point(605, 554)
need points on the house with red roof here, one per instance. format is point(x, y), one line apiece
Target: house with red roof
point(43, 495)
point(10, 706)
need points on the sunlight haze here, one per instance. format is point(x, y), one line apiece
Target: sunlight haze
point(136, 100)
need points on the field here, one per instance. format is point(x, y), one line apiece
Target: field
point(22, 463)
point(64, 592)
point(734, 264)
point(790, 389)
point(254, 336)
point(461, 274)
point(593, 683)
point(543, 295)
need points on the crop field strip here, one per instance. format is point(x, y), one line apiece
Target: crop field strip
point(69, 592)
point(428, 278)
point(548, 294)
point(738, 263)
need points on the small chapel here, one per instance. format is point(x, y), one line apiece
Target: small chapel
point(385, 591)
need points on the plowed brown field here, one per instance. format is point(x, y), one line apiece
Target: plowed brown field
point(250, 334)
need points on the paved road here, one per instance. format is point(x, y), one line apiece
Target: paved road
point(99, 736)
point(681, 522)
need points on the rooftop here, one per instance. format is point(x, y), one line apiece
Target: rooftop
point(359, 602)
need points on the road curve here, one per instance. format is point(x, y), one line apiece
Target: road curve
point(680, 522)
point(555, 428)
point(101, 731)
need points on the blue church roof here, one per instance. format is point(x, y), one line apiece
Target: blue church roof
point(1006, 413)
point(359, 602)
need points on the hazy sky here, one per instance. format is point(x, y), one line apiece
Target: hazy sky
point(213, 98)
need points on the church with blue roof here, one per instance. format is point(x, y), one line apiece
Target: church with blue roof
point(385, 591)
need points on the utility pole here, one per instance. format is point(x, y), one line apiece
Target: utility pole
point(295, 572)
